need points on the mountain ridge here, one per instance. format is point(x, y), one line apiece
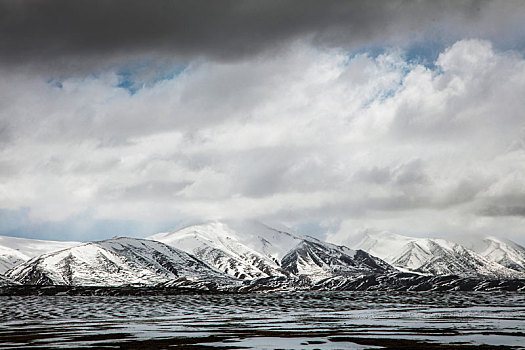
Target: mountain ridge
point(270, 251)
point(503, 251)
point(16, 250)
point(433, 256)
point(113, 262)
point(244, 256)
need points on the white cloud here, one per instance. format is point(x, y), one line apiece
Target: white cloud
point(373, 142)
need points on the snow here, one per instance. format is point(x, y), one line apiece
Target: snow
point(14, 250)
point(500, 250)
point(384, 245)
point(245, 250)
point(252, 236)
point(9, 258)
point(251, 249)
point(113, 262)
point(217, 251)
point(272, 242)
point(431, 255)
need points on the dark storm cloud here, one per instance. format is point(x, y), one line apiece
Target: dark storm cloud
point(42, 31)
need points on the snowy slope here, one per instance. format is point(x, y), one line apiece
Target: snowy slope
point(317, 260)
point(432, 256)
point(10, 257)
point(502, 251)
point(250, 250)
point(247, 250)
point(14, 251)
point(113, 262)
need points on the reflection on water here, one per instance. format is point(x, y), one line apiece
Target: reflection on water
point(356, 320)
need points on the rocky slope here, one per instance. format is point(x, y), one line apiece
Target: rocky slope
point(6, 282)
point(242, 254)
point(316, 260)
point(254, 250)
point(500, 250)
point(432, 256)
point(237, 257)
point(114, 262)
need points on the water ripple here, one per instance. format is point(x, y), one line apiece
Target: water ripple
point(291, 320)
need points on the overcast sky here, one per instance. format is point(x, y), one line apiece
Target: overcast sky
point(332, 117)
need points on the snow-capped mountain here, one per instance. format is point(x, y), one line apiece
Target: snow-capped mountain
point(114, 262)
point(243, 250)
point(9, 258)
point(250, 250)
point(317, 260)
point(250, 256)
point(14, 251)
point(500, 250)
point(431, 256)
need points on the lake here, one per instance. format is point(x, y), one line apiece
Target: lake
point(289, 320)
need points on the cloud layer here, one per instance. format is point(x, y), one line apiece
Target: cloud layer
point(334, 117)
point(350, 141)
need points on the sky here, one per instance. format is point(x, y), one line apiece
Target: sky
point(332, 117)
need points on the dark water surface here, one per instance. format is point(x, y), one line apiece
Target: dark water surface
point(313, 320)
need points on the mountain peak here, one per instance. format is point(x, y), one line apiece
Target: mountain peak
point(500, 250)
point(253, 250)
point(15, 250)
point(112, 262)
point(245, 249)
point(431, 255)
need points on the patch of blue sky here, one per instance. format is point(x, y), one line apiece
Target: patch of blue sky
point(417, 53)
point(382, 95)
point(420, 52)
point(126, 81)
point(369, 51)
point(134, 77)
point(424, 53)
point(82, 227)
point(169, 74)
point(55, 83)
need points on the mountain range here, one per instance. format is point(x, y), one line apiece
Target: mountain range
point(254, 250)
point(442, 257)
point(500, 250)
point(251, 256)
point(14, 250)
point(113, 262)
